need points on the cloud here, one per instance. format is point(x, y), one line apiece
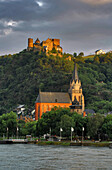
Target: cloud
point(39, 3)
point(5, 32)
point(11, 23)
point(97, 2)
point(79, 22)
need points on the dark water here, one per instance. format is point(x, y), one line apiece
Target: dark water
point(34, 157)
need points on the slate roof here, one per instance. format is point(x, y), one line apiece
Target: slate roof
point(53, 97)
point(20, 106)
point(97, 50)
point(89, 111)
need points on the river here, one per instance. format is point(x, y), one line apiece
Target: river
point(34, 157)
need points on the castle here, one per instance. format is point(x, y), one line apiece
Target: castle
point(73, 99)
point(45, 46)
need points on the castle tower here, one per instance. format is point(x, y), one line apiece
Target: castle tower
point(75, 92)
point(37, 41)
point(30, 44)
point(56, 42)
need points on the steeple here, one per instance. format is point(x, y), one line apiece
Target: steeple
point(75, 92)
point(75, 73)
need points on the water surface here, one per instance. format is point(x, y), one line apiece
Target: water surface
point(34, 157)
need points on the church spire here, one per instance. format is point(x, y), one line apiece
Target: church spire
point(75, 73)
point(75, 92)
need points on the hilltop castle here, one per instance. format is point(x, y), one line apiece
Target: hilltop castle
point(45, 46)
point(73, 99)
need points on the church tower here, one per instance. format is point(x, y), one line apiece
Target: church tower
point(76, 94)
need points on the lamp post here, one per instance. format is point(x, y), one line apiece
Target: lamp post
point(50, 131)
point(17, 132)
point(72, 129)
point(82, 133)
point(61, 130)
point(7, 132)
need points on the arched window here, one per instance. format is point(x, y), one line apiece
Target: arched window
point(42, 108)
point(47, 108)
point(38, 111)
point(74, 97)
point(56, 100)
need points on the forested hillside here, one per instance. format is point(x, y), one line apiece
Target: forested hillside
point(23, 74)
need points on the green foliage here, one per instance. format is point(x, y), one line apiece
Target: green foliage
point(75, 54)
point(66, 123)
point(108, 118)
point(103, 58)
point(53, 143)
point(81, 54)
point(54, 50)
point(62, 118)
point(29, 128)
point(53, 120)
point(23, 74)
point(94, 124)
point(107, 128)
point(79, 59)
point(97, 87)
point(96, 59)
point(8, 124)
point(79, 122)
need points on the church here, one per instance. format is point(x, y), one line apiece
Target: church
point(73, 99)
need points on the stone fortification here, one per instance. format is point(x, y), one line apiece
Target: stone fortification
point(46, 46)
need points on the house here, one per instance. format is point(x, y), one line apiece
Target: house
point(20, 109)
point(100, 51)
point(73, 99)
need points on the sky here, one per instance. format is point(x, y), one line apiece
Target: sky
point(81, 25)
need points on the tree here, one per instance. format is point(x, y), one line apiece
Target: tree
point(79, 122)
point(75, 54)
point(79, 59)
point(30, 128)
point(81, 54)
point(107, 129)
point(94, 125)
point(96, 59)
point(66, 123)
point(8, 123)
point(108, 118)
point(51, 120)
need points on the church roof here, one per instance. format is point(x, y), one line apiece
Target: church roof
point(53, 97)
point(75, 73)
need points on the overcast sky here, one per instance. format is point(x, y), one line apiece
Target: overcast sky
point(82, 25)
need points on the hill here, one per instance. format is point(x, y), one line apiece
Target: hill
point(23, 74)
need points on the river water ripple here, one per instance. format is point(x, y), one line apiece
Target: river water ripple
point(34, 157)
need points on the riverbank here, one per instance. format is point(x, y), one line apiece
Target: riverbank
point(97, 144)
point(61, 143)
point(14, 141)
